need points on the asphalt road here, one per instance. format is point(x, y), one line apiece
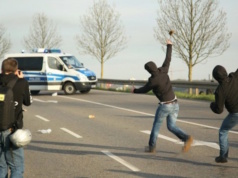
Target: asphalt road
point(112, 143)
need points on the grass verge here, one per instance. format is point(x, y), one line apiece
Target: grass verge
point(203, 97)
point(182, 95)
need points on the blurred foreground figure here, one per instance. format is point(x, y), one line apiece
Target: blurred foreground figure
point(11, 80)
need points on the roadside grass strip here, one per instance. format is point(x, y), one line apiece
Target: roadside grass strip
point(42, 118)
point(195, 142)
point(123, 162)
point(71, 133)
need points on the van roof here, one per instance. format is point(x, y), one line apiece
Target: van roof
point(35, 54)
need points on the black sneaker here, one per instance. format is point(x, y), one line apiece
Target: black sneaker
point(150, 149)
point(220, 159)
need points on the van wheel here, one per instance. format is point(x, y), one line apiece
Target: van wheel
point(85, 91)
point(69, 88)
point(35, 92)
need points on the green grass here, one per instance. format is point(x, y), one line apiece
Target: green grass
point(182, 95)
point(194, 97)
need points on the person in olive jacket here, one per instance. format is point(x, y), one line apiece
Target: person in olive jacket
point(168, 108)
point(226, 95)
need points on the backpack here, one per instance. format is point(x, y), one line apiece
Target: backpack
point(7, 105)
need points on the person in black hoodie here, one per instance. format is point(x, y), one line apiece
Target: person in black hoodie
point(225, 94)
point(168, 108)
point(11, 156)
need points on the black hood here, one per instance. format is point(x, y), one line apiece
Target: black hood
point(219, 73)
point(4, 79)
point(151, 67)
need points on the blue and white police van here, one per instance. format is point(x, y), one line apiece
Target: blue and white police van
point(52, 70)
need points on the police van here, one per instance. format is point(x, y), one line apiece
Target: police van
point(50, 69)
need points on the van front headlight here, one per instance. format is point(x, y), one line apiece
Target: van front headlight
point(82, 77)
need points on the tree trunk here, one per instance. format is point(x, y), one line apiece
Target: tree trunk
point(101, 68)
point(190, 72)
point(190, 69)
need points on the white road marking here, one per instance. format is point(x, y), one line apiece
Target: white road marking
point(42, 101)
point(195, 142)
point(123, 162)
point(203, 143)
point(71, 133)
point(52, 101)
point(55, 94)
point(101, 104)
point(42, 118)
point(143, 113)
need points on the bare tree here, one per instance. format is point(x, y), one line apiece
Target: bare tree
point(103, 35)
point(43, 33)
point(5, 43)
point(200, 29)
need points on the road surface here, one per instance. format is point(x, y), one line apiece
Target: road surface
point(112, 143)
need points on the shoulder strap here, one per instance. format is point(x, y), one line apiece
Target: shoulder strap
point(12, 82)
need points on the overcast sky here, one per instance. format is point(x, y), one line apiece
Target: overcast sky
point(139, 20)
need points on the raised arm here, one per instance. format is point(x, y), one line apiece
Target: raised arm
point(165, 66)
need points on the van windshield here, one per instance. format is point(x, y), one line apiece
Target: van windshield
point(71, 62)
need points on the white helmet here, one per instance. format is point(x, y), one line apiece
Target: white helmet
point(21, 137)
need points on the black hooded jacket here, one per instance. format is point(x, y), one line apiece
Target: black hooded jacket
point(159, 81)
point(226, 92)
point(21, 94)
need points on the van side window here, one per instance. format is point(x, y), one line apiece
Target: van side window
point(30, 63)
point(53, 63)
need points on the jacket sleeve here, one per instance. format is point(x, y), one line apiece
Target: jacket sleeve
point(146, 88)
point(166, 64)
point(27, 98)
point(218, 106)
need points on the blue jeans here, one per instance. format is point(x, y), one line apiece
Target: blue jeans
point(10, 157)
point(170, 112)
point(229, 122)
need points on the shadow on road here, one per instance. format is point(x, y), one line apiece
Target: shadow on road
point(145, 175)
point(137, 153)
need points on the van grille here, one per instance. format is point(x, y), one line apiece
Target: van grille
point(92, 78)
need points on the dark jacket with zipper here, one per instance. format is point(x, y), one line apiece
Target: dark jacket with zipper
point(226, 93)
point(21, 95)
point(159, 81)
